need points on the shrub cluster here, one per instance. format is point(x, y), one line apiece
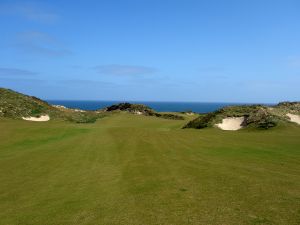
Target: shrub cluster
point(142, 109)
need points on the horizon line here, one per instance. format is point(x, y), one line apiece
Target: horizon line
point(123, 101)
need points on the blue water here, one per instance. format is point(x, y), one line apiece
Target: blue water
point(199, 107)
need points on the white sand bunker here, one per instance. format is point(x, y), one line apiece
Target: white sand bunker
point(231, 123)
point(138, 112)
point(294, 118)
point(37, 119)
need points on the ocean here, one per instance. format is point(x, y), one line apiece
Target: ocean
point(198, 107)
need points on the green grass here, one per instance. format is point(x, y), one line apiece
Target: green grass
point(130, 169)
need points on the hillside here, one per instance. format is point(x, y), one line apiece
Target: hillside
point(17, 106)
point(252, 116)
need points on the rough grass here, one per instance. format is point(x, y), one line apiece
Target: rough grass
point(256, 116)
point(130, 169)
point(16, 105)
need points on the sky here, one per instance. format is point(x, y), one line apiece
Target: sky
point(152, 50)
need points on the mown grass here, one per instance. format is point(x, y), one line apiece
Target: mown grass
point(131, 169)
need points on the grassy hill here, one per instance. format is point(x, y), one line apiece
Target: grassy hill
point(131, 169)
point(16, 105)
point(256, 116)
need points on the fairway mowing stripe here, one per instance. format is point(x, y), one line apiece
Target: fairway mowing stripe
point(140, 170)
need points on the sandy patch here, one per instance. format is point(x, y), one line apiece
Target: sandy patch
point(294, 118)
point(231, 123)
point(137, 112)
point(37, 119)
point(190, 114)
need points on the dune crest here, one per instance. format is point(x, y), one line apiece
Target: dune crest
point(231, 123)
point(37, 119)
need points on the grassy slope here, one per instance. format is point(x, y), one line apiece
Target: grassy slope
point(129, 169)
point(16, 105)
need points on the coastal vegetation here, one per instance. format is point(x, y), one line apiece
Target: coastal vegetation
point(142, 110)
point(255, 116)
point(16, 105)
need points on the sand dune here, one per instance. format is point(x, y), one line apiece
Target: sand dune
point(37, 119)
point(231, 123)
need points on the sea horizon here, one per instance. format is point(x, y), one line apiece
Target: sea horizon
point(160, 106)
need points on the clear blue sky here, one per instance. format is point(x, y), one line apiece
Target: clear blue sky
point(160, 50)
